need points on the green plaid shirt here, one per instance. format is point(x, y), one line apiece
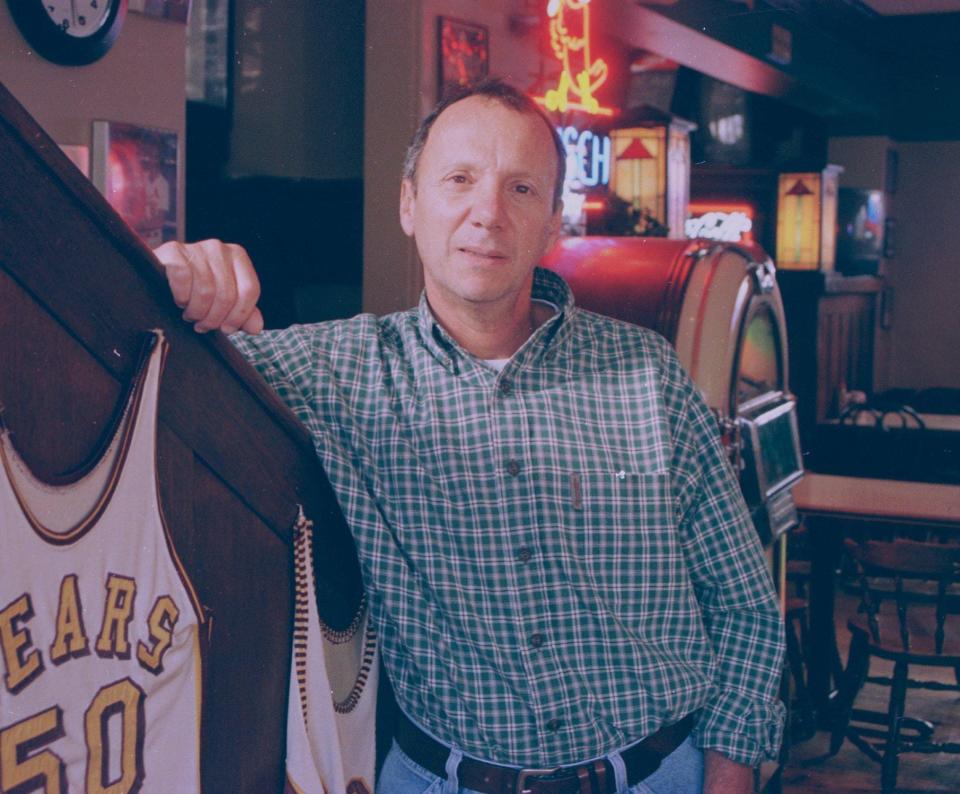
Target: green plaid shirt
point(557, 556)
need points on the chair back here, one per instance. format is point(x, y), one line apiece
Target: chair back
point(919, 579)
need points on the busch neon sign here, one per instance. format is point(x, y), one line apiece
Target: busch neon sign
point(588, 156)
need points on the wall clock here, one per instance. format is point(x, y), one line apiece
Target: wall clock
point(70, 32)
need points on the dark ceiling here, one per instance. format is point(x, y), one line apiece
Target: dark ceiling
point(916, 54)
point(862, 72)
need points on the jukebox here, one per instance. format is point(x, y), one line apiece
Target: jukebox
point(719, 305)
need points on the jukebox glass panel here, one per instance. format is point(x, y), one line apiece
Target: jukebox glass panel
point(777, 448)
point(771, 450)
point(759, 370)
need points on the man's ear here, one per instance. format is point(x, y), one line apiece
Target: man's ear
point(408, 206)
point(553, 230)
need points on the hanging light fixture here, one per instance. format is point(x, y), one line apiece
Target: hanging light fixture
point(807, 219)
point(651, 170)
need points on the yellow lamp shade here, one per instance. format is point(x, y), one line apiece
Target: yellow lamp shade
point(651, 167)
point(806, 219)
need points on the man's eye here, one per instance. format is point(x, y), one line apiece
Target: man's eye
point(459, 179)
point(524, 189)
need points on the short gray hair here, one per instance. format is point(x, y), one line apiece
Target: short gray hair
point(499, 91)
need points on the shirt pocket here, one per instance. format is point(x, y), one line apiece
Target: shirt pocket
point(624, 532)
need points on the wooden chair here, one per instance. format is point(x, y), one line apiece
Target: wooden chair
point(908, 594)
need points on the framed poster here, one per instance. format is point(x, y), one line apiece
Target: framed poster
point(176, 10)
point(463, 53)
point(136, 169)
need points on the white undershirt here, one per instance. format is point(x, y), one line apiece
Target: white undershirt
point(499, 363)
point(496, 363)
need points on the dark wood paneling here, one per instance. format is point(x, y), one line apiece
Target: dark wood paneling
point(59, 405)
point(844, 348)
point(830, 328)
point(77, 291)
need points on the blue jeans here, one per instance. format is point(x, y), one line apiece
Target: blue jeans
point(680, 773)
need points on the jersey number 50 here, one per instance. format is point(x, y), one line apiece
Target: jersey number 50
point(45, 771)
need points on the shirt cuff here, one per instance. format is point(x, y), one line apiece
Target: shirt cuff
point(745, 731)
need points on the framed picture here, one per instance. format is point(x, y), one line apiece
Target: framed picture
point(463, 53)
point(136, 169)
point(176, 10)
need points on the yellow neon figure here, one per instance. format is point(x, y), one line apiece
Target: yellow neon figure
point(573, 51)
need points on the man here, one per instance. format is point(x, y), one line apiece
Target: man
point(560, 567)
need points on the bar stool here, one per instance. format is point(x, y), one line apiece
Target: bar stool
point(803, 721)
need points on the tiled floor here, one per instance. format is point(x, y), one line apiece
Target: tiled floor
point(850, 770)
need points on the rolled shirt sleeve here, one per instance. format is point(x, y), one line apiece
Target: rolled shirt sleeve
point(744, 718)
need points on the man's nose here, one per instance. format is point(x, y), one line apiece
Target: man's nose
point(488, 208)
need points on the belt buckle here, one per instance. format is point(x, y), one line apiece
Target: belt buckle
point(523, 774)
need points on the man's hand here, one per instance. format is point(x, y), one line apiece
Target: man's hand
point(215, 285)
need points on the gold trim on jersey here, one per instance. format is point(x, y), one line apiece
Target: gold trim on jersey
point(167, 536)
point(122, 433)
point(338, 637)
point(198, 676)
point(201, 639)
point(349, 703)
point(302, 532)
point(303, 556)
point(291, 786)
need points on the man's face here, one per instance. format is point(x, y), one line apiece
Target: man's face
point(482, 208)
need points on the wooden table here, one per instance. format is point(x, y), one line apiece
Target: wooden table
point(830, 503)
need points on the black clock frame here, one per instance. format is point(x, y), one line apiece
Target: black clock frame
point(55, 44)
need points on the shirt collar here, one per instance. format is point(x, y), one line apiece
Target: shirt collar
point(547, 286)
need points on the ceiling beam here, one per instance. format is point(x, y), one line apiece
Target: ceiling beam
point(732, 43)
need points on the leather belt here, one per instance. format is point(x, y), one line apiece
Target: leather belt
point(593, 777)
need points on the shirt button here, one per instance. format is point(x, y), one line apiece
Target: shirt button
point(537, 640)
point(505, 388)
point(524, 554)
point(513, 468)
point(554, 725)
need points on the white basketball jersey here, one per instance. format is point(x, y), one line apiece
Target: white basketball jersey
point(331, 714)
point(99, 626)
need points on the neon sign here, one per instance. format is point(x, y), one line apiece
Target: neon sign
point(588, 156)
point(718, 221)
point(727, 226)
point(580, 74)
